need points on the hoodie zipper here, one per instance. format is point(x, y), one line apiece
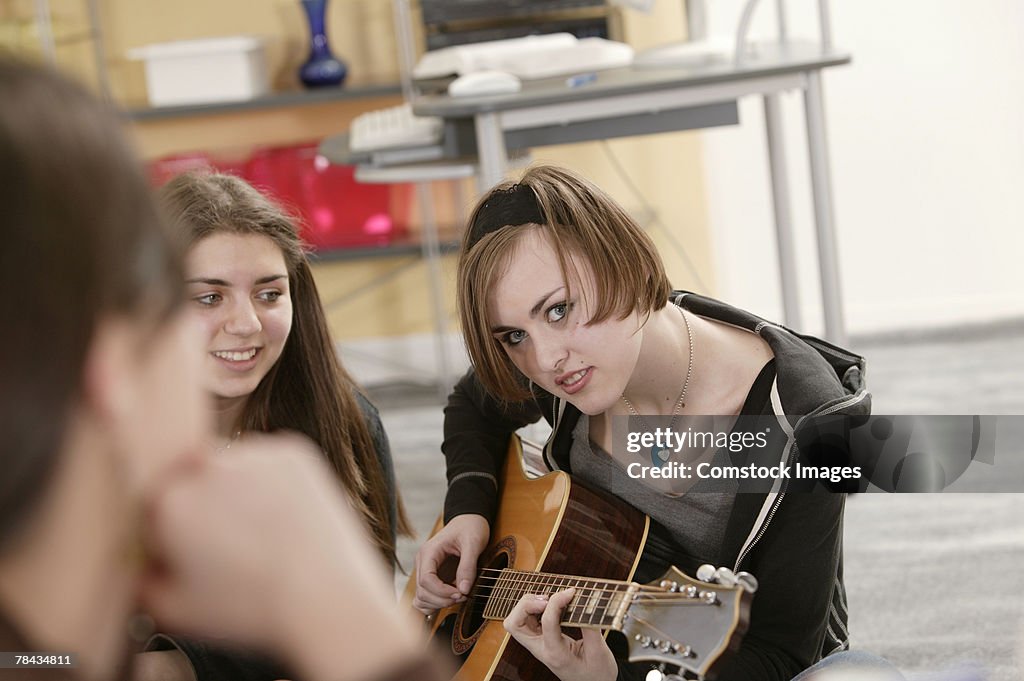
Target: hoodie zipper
point(760, 532)
point(771, 514)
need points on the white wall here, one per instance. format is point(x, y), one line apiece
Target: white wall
point(927, 150)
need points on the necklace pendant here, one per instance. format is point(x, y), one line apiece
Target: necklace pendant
point(660, 456)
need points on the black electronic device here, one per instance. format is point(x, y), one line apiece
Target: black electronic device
point(460, 22)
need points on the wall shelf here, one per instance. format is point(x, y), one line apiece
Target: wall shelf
point(277, 119)
point(295, 98)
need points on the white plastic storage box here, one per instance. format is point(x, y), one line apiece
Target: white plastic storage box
point(200, 71)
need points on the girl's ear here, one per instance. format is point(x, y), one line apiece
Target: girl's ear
point(107, 386)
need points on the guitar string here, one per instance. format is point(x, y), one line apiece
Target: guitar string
point(655, 595)
point(511, 585)
point(582, 584)
point(571, 610)
point(667, 600)
point(510, 596)
point(594, 619)
point(507, 592)
point(597, 616)
point(521, 590)
point(533, 575)
point(580, 588)
point(579, 613)
point(534, 578)
point(644, 622)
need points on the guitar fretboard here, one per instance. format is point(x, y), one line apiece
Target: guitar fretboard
point(596, 603)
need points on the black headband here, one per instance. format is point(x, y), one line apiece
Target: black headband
point(516, 205)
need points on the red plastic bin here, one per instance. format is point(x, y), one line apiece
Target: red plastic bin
point(335, 211)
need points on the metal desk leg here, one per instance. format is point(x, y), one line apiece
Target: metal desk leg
point(783, 217)
point(490, 143)
point(432, 254)
point(821, 187)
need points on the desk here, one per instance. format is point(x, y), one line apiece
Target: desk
point(633, 101)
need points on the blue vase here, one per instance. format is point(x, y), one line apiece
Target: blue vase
point(322, 68)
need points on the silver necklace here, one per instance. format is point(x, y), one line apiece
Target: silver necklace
point(226, 446)
point(686, 381)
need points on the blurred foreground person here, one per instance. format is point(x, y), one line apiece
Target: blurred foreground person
point(108, 505)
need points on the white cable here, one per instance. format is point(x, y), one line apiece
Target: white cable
point(656, 220)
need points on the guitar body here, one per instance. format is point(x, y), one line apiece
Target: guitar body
point(547, 524)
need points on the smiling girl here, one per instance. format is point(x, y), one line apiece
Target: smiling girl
point(269, 362)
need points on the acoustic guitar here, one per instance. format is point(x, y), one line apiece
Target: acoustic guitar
point(552, 533)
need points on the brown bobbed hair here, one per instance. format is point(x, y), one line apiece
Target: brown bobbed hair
point(307, 390)
point(583, 224)
point(82, 241)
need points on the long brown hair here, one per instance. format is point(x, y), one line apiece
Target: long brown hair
point(579, 219)
point(307, 389)
point(82, 241)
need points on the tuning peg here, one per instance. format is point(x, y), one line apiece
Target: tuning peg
point(706, 573)
point(658, 674)
point(747, 581)
point(684, 651)
point(709, 597)
point(725, 576)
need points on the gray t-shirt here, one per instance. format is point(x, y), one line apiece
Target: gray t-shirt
point(693, 523)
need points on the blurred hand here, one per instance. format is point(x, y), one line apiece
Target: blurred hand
point(259, 547)
point(535, 622)
point(465, 537)
point(162, 665)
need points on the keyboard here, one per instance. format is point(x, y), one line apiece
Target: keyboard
point(492, 55)
point(392, 128)
point(535, 56)
point(583, 56)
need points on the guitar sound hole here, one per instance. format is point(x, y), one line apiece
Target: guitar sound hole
point(473, 611)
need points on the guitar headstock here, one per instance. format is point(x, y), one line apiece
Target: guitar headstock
point(688, 623)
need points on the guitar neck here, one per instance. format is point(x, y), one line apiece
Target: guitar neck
point(598, 603)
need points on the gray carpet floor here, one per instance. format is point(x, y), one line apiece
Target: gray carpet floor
point(935, 580)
